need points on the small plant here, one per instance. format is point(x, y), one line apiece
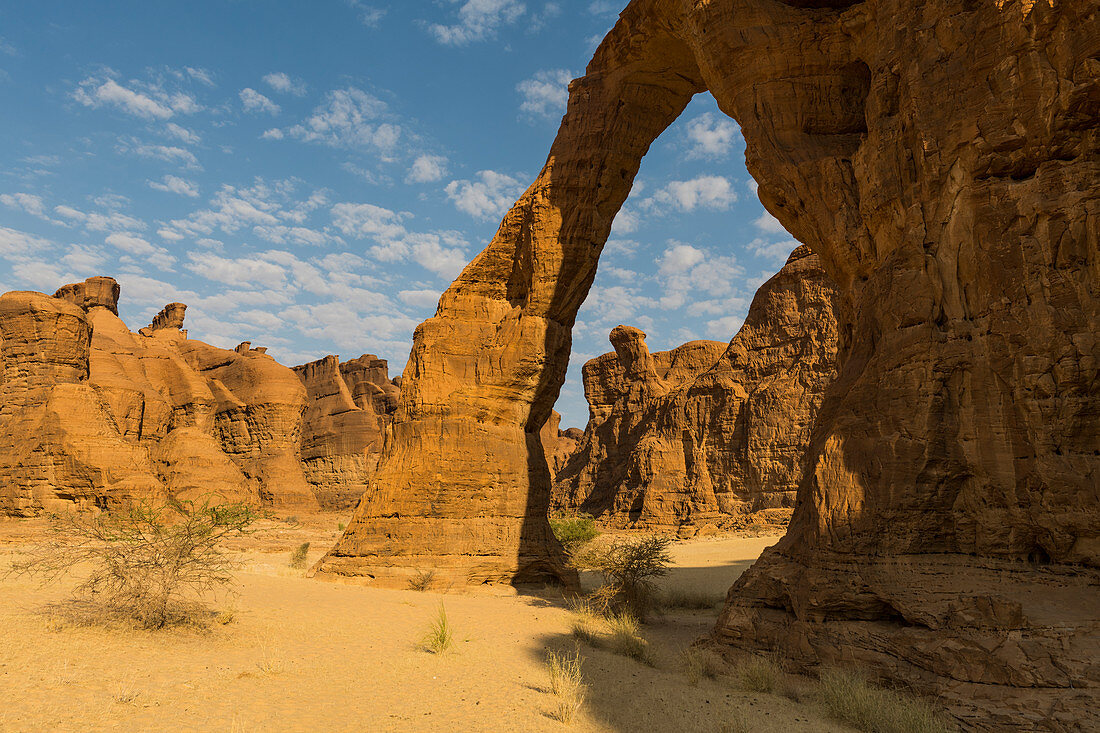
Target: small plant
point(149, 562)
point(440, 636)
point(422, 581)
point(126, 694)
point(292, 520)
point(566, 684)
point(298, 557)
point(626, 640)
point(270, 664)
point(758, 674)
point(699, 663)
point(574, 530)
point(629, 567)
point(341, 526)
point(848, 698)
point(225, 618)
point(736, 724)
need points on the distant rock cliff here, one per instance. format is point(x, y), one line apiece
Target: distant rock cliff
point(708, 433)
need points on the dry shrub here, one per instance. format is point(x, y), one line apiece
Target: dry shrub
point(699, 663)
point(151, 563)
point(422, 581)
point(848, 698)
point(689, 600)
point(628, 567)
point(440, 636)
point(625, 639)
point(298, 557)
point(566, 684)
point(758, 674)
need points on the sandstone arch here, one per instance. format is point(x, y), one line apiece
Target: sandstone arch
point(943, 161)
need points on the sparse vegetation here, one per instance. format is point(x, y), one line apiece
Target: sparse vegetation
point(758, 674)
point(422, 581)
point(629, 567)
point(625, 639)
point(340, 526)
point(298, 557)
point(152, 563)
point(574, 530)
point(566, 684)
point(699, 663)
point(440, 636)
point(848, 698)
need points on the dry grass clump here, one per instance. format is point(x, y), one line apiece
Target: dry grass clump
point(699, 663)
point(150, 563)
point(440, 636)
point(422, 581)
point(625, 639)
point(848, 698)
point(629, 567)
point(298, 557)
point(758, 674)
point(566, 684)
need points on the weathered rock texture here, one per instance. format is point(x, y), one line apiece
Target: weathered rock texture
point(708, 433)
point(350, 405)
point(942, 160)
point(94, 415)
point(558, 444)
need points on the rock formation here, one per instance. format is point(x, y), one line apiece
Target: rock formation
point(558, 444)
point(94, 415)
point(708, 432)
point(943, 161)
point(349, 407)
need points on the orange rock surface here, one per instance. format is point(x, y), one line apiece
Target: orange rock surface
point(943, 161)
point(94, 415)
point(707, 433)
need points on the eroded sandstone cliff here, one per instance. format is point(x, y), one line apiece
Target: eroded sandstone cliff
point(943, 161)
point(93, 414)
point(708, 433)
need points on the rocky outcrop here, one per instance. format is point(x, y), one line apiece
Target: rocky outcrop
point(708, 433)
point(941, 159)
point(95, 415)
point(350, 405)
point(558, 444)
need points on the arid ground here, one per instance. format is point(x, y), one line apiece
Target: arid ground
point(304, 655)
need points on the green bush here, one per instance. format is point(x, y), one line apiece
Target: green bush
point(629, 567)
point(440, 636)
point(573, 531)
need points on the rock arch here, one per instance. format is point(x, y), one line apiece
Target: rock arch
point(943, 160)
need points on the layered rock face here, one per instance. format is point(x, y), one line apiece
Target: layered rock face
point(94, 415)
point(350, 405)
point(942, 160)
point(708, 433)
point(558, 444)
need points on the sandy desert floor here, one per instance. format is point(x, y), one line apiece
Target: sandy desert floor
point(306, 655)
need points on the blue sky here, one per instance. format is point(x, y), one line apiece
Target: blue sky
point(309, 176)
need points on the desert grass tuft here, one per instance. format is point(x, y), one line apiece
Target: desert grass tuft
point(126, 693)
point(566, 684)
point(422, 581)
point(737, 723)
point(848, 698)
point(440, 636)
point(699, 663)
point(626, 640)
point(340, 526)
point(298, 557)
point(270, 664)
point(758, 674)
point(225, 618)
point(629, 568)
point(688, 600)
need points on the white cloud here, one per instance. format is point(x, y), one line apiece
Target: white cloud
point(167, 153)
point(477, 20)
point(247, 271)
point(27, 202)
point(711, 136)
point(427, 169)
point(200, 75)
point(679, 257)
point(605, 7)
point(368, 221)
point(419, 298)
point(253, 101)
point(20, 244)
point(768, 224)
point(96, 93)
point(546, 93)
point(273, 134)
point(84, 259)
point(687, 273)
point(369, 15)
point(705, 192)
point(112, 221)
point(174, 184)
point(182, 133)
point(440, 252)
point(349, 118)
point(486, 198)
point(724, 329)
point(138, 247)
point(776, 252)
point(281, 82)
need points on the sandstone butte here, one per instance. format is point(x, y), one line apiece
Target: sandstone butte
point(708, 433)
point(941, 159)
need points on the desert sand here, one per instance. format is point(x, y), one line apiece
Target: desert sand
point(302, 654)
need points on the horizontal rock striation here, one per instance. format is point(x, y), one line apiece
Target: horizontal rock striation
point(708, 433)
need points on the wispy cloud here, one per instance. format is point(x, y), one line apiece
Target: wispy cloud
point(174, 184)
point(478, 20)
point(253, 101)
point(487, 197)
point(545, 94)
point(427, 169)
point(349, 118)
point(282, 83)
point(703, 192)
point(711, 136)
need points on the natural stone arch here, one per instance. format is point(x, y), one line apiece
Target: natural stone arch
point(943, 161)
